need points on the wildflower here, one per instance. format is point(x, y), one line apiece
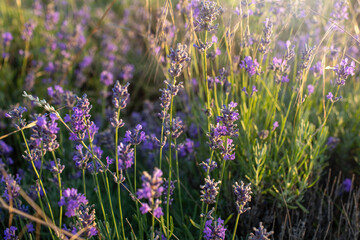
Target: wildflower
point(243, 196)
point(178, 58)
point(186, 148)
point(151, 190)
point(329, 96)
point(28, 30)
point(266, 39)
point(260, 233)
point(171, 90)
point(347, 183)
point(250, 66)
point(72, 200)
point(80, 120)
point(11, 190)
point(332, 142)
point(30, 228)
point(317, 69)
point(121, 96)
point(285, 79)
point(208, 166)
point(9, 233)
point(60, 96)
point(228, 118)
point(208, 13)
point(307, 55)
point(126, 156)
point(86, 220)
point(16, 116)
point(275, 125)
point(340, 11)
point(7, 38)
point(227, 151)
point(310, 88)
point(202, 47)
point(176, 129)
point(136, 137)
point(172, 188)
point(106, 78)
point(215, 135)
point(344, 71)
point(209, 191)
point(214, 230)
point(44, 133)
point(127, 72)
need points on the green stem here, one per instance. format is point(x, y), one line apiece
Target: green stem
point(117, 175)
point(236, 225)
point(60, 189)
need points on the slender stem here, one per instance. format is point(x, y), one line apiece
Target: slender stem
point(236, 225)
point(117, 175)
point(152, 228)
point(40, 181)
point(170, 167)
point(84, 182)
point(111, 206)
point(60, 189)
point(178, 182)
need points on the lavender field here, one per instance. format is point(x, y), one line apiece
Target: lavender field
point(186, 119)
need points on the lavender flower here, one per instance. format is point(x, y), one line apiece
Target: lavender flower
point(126, 156)
point(44, 133)
point(106, 78)
point(227, 151)
point(151, 190)
point(344, 71)
point(332, 142)
point(329, 96)
point(317, 69)
point(208, 166)
point(136, 137)
point(202, 47)
point(243, 196)
point(9, 233)
point(171, 90)
point(127, 72)
point(72, 200)
point(80, 120)
point(208, 13)
point(86, 219)
point(209, 191)
point(310, 88)
point(266, 39)
point(340, 12)
point(347, 183)
point(228, 118)
point(28, 30)
point(307, 55)
point(172, 188)
point(16, 116)
point(60, 96)
point(7, 38)
point(178, 58)
point(260, 233)
point(214, 230)
point(250, 66)
point(121, 96)
point(275, 125)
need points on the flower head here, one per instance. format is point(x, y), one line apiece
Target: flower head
point(214, 230)
point(243, 196)
point(209, 190)
point(260, 233)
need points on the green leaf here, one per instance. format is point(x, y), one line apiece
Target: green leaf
point(194, 224)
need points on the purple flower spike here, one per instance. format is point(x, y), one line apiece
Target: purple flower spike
point(344, 71)
point(214, 229)
point(250, 66)
point(151, 190)
point(243, 196)
point(9, 233)
point(106, 78)
point(347, 183)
